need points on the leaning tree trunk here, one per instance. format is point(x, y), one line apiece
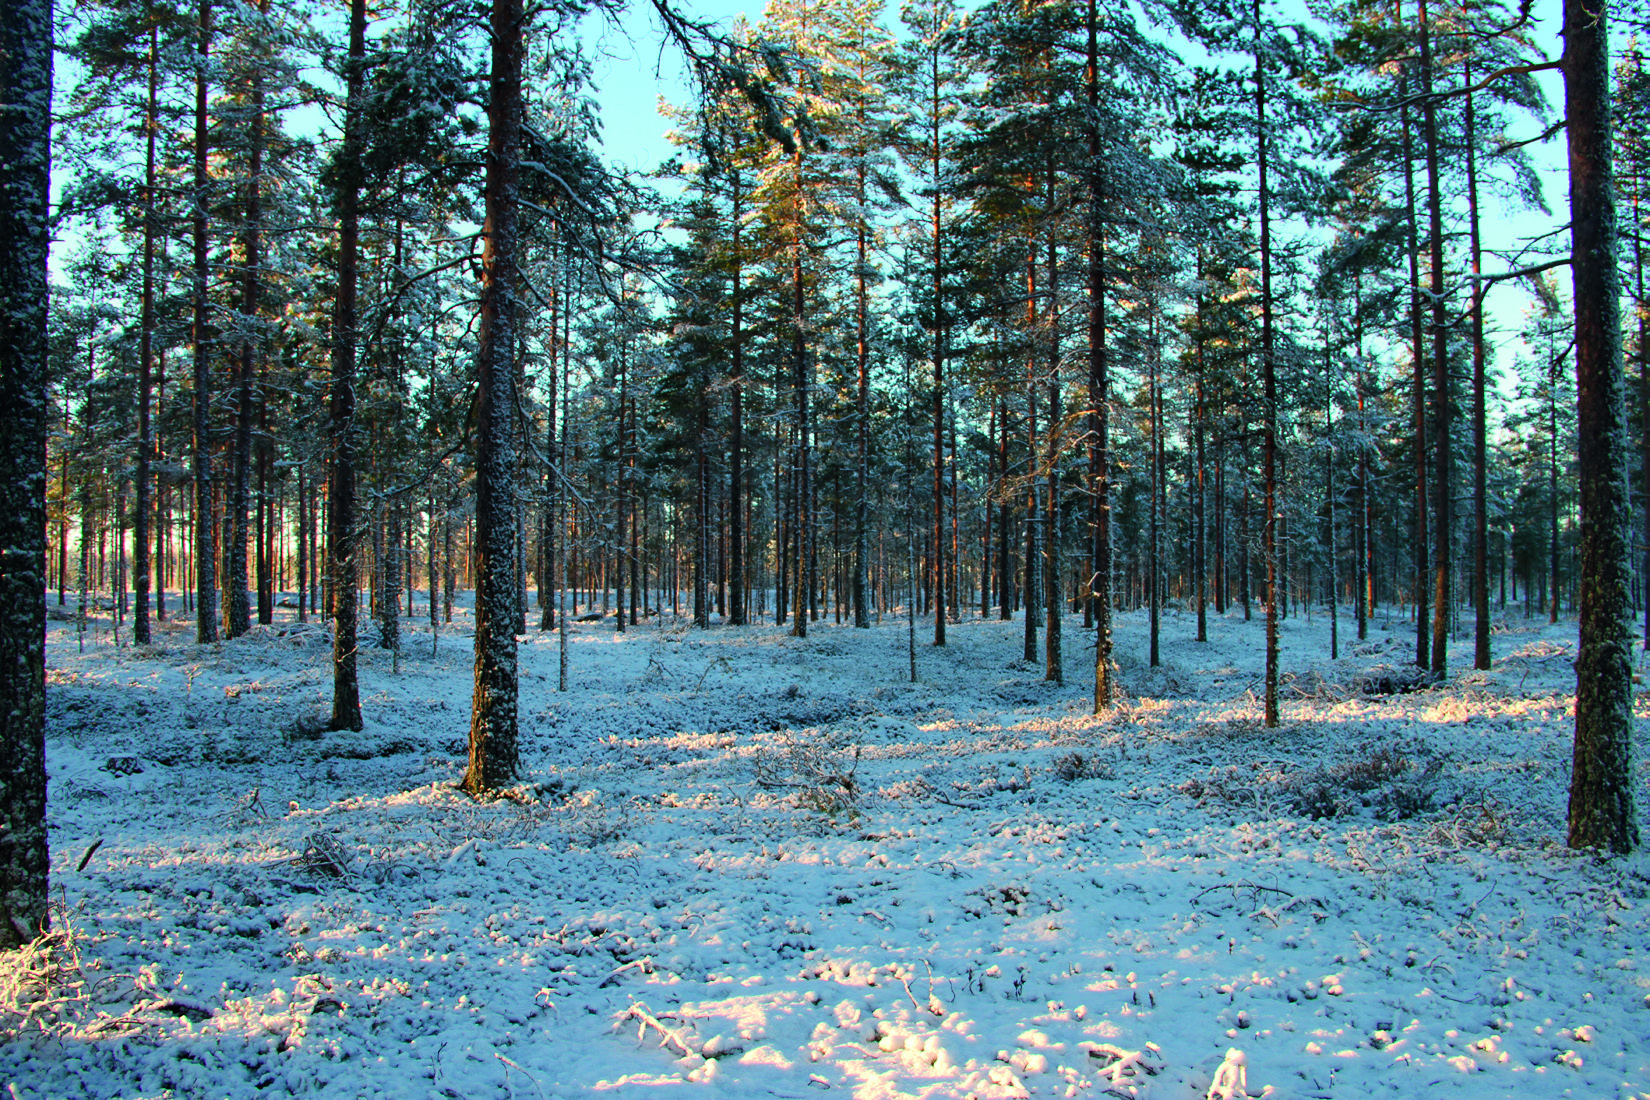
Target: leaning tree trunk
point(25, 135)
point(342, 537)
point(1602, 813)
point(493, 749)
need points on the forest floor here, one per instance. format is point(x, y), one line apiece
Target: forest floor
point(746, 864)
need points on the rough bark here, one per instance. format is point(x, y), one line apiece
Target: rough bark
point(736, 441)
point(1100, 473)
point(939, 369)
point(1423, 621)
point(1480, 414)
point(206, 535)
point(25, 134)
point(238, 612)
point(146, 359)
point(1269, 530)
point(1054, 663)
point(493, 743)
point(1601, 812)
point(803, 525)
point(342, 537)
point(1443, 467)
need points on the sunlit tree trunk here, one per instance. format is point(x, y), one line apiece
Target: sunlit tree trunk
point(1602, 813)
point(493, 745)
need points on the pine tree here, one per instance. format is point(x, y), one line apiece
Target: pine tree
point(25, 134)
point(1602, 812)
point(493, 746)
point(342, 537)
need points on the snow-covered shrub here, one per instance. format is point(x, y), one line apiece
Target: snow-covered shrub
point(1072, 766)
point(1385, 779)
point(818, 769)
point(44, 987)
point(1392, 680)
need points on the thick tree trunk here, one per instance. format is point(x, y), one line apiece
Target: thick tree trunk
point(493, 745)
point(389, 600)
point(1361, 533)
point(862, 411)
point(1054, 662)
point(206, 535)
point(1602, 812)
point(1100, 473)
point(736, 442)
point(1553, 561)
point(1032, 584)
point(1269, 530)
point(1423, 621)
point(621, 501)
point(939, 385)
point(146, 358)
point(268, 514)
point(1443, 466)
point(1480, 414)
point(25, 135)
point(803, 522)
point(238, 609)
point(1200, 491)
point(342, 537)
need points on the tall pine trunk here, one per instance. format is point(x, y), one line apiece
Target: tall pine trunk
point(238, 612)
point(25, 135)
point(939, 364)
point(1053, 599)
point(736, 441)
point(493, 744)
point(342, 537)
point(1269, 528)
point(1442, 471)
point(1423, 622)
point(1480, 415)
point(1601, 812)
point(146, 357)
point(1100, 472)
point(206, 535)
point(802, 560)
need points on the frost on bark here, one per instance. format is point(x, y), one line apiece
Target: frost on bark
point(341, 529)
point(206, 529)
point(493, 750)
point(1602, 814)
point(25, 137)
point(1099, 397)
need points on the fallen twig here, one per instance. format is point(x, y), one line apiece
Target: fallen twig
point(639, 1012)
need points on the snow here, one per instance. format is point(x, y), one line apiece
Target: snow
point(744, 864)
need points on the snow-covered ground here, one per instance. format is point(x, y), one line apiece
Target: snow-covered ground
point(750, 865)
